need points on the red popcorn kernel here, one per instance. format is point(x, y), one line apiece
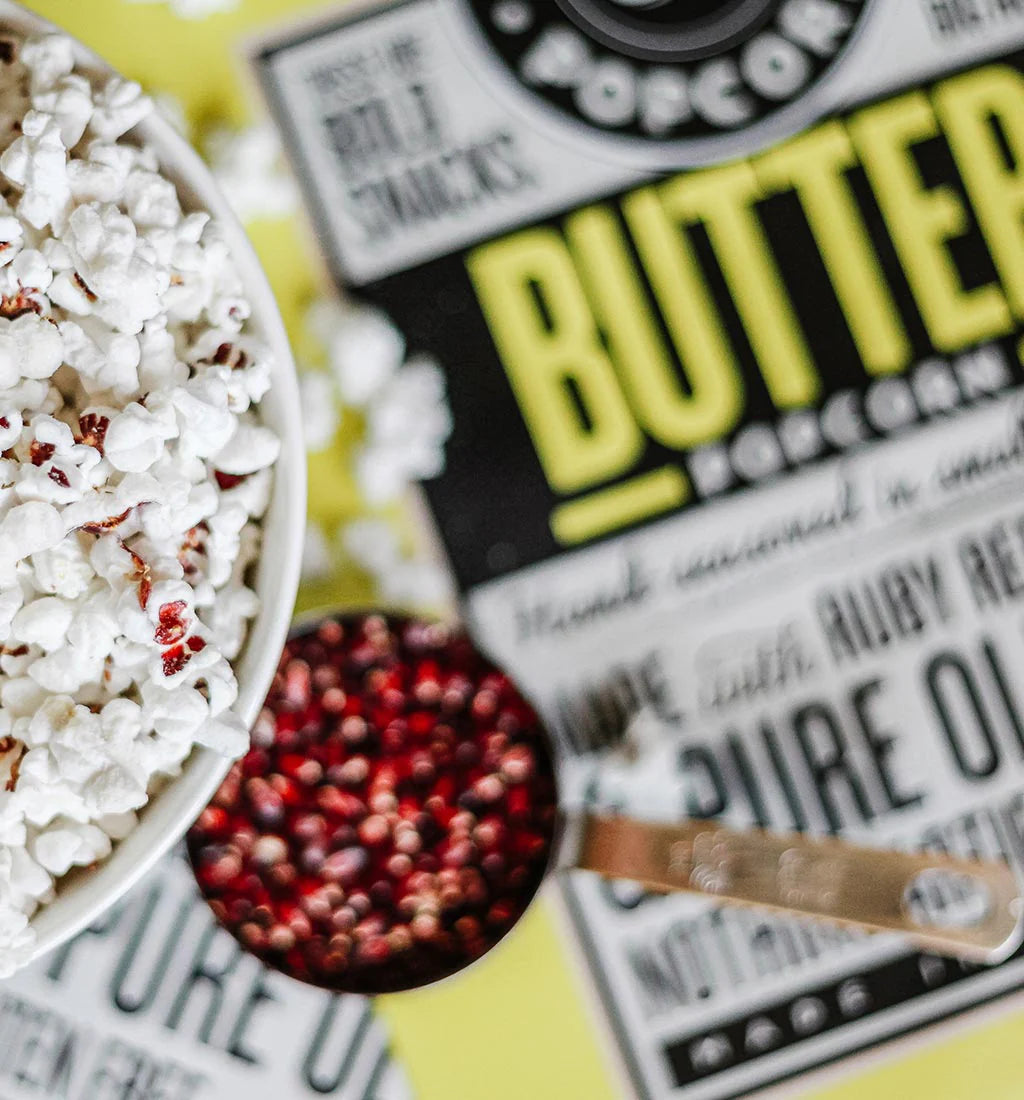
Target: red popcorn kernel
point(172, 624)
point(229, 355)
point(175, 659)
point(228, 481)
point(141, 574)
point(395, 814)
point(13, 306)
point(39, 453)
point(104, 525)
point(192, 549)
point(84, 287)
point(92, 429)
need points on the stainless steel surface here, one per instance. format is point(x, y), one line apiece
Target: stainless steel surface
point(970, 910)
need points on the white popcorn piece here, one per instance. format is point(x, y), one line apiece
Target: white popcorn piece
point(12, 233)
point(48, 58)
point(43, 622)
point(100, 176)
point(227, 735)
point(21, 696)
point(37, 163)
point(205, 423)
point(400, 580)
point(66, 844)
point(159, 366)
point(32, 271)
point(408, 424)
point(118, 826)
point(28, 878)
point(252, 494)
point(151, 200)
point(135, 438)
point(29, 528)
point(29, 348)
point(382, 474)
point(229, 617)
point(11, 600)
point(70, 103)
point(115, 271)
point(364, 349)
point(248, 386)
point(128, 385)
point(113, 790)
point(105, 360)
point(11, 423)
point(320, 417)
point(249, 165)
point(118, 107)
point(62, 570)
point(250, 448)
point(31, 396)
point(173, 713)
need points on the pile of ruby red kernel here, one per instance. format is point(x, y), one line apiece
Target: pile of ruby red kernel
point(393, 817)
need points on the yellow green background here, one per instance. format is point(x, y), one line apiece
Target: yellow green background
point(518, 1026)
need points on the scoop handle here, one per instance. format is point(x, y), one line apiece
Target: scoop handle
point(828, 879)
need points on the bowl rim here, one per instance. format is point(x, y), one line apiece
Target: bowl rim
point(82, 897)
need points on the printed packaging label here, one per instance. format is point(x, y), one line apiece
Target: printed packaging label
point(156, 1002)
point(730, 297)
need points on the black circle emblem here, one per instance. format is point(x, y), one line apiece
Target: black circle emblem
point(666, 71)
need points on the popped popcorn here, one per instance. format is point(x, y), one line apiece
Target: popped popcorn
point(404, 400)
point(320, 417)
point(133, 474)
point(250, 168)
point(401, 581)
point(364, 349)
point(407, 425)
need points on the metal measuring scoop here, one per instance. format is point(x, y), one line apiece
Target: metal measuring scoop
point(399, 811)
point(962, 908)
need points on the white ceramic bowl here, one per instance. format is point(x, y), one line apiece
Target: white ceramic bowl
point(84, 895)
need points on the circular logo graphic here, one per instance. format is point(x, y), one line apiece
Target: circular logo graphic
point(669, 71)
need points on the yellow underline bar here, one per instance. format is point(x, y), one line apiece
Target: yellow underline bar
point(608, 509)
